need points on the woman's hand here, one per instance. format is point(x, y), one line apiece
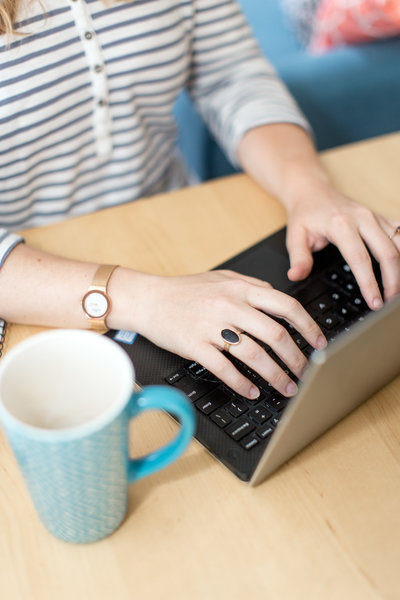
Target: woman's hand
point(182, 314)
point(187, 314)
point(282, 159)
point(324, 215)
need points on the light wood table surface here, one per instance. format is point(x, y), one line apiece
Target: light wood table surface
point(326, 525)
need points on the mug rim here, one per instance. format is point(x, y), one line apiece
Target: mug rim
point(81, 430)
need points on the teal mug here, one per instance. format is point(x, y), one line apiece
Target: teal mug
point(66, 400)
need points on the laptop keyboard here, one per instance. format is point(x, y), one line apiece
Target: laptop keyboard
point(334, 300)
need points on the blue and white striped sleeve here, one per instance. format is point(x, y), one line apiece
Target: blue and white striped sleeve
point(234, 87)
point(8, 241)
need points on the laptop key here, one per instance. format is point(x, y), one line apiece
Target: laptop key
point(249, 442)
point(265, 431)
point(260, 414)
point(247, 372)
point(237, 408)
point(299, 341)
point(240, 428)
point(308, 350)
point(320, 306)
point(346, 312)
point(196, 370)
point(175, 376)
point(211, 402)
point(306, 294)
point(329, 321)
point(277, 402)
point(222, 418)
point(359, 303)
point(193, 388)
point(335, 277)
point(265, 386)
point(351, 287)
point(338, 297)
point(347, 270)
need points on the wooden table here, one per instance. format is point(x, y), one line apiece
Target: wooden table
point(326, 525)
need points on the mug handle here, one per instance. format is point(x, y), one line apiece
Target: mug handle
point(159, 397)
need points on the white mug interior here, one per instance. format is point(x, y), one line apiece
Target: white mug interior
point(63, 379)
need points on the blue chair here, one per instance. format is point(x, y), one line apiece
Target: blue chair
point(348, 94)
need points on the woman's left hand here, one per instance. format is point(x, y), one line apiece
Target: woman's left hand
point(322, 215)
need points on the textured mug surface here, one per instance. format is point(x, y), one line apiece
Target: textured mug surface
point(65, 404)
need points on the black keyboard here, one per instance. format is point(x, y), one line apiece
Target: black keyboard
point(334, 300)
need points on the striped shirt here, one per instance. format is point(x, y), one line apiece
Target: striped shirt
point(87, 96)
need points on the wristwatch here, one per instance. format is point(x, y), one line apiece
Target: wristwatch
point(96, 303)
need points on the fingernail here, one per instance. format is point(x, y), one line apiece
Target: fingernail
point(321, 342)
point(377, 303)
point(254, 392)
point(291, 389)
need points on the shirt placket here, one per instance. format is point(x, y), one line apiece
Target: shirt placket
point(94, 56)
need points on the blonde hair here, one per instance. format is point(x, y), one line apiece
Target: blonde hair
point(8, 15)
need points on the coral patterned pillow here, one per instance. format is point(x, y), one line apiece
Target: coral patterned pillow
point(340, 22)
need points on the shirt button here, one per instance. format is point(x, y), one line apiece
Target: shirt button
point(102, 102)
point(88, 35)
point(98, 68)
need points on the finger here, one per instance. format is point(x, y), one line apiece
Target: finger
point(300, 255)
point(387, 253)
point(255, 357)
point(216, 362)
point(283, 306)
point(275, 336)
point(354, 251)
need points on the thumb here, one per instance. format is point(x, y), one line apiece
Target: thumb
point(300, 255)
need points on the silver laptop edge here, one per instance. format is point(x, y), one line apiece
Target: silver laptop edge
point(340, 378)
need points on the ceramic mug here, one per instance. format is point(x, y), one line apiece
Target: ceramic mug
point(66, 399)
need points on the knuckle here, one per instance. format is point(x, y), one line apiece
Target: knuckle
point(311, 328)
point(219, 303)
point(278, 378)
point(364, 212)
point(225, 370)
point(341, 220)
point(237, 286)
point(289, 304)
point(236, 381)
point(293, 305)
point(299, 362)
point(254, 353)
point(390, 254)
point(360, 257)
point(278, 334)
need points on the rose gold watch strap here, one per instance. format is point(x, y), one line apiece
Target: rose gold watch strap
point(101, 277)
point(98, 325)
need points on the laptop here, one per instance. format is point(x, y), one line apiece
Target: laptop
point(254, 438)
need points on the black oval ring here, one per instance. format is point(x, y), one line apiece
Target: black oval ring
point(230, 336)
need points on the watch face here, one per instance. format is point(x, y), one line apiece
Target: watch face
point(95, 304)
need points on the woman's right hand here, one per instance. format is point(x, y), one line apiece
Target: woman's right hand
point(186, 315)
